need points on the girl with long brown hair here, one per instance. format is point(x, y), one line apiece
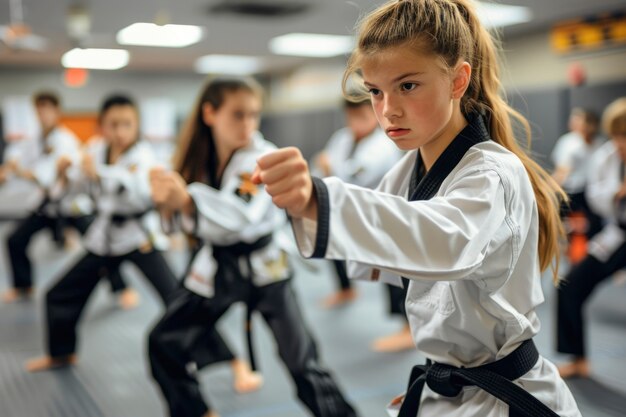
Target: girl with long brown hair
point(213, 198)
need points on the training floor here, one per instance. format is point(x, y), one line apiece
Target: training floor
point(112, 379)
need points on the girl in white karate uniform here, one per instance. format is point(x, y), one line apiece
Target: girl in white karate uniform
point(480, 224)
point(239, 261)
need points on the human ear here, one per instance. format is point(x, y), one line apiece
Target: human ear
point(208, 114)
point(462, 76)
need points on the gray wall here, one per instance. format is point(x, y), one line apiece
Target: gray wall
point(309, 130)
point(597, 97)
point(547, 111)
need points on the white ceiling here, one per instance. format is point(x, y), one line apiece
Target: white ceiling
point(226, 33)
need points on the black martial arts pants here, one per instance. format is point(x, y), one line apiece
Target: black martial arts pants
point(397, 299)
point(578, 202)
point(66, 300)
point(574, 291)
point(20, 238)
point(190, 319)
point(342, 275)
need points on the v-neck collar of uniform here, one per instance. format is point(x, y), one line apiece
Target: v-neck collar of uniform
point(425, 184)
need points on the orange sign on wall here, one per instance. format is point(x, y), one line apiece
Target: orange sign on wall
point(595, 32)
point(84, 125)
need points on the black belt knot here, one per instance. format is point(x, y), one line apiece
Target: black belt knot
point(441, 378)
point(495, 378)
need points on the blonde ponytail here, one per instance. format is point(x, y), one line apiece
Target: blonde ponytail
point(451, 30)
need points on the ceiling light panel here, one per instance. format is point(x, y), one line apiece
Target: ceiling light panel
point(500, 15)
point(165, 36)
point(311, 45)
point(228, 64)
point(93, 58)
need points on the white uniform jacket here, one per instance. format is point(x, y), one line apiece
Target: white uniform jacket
point(367, 163)
point(605, 179)
point(121, 190)
point(573, 153)
point(470, 254)
point(238, 212)
point(40, 157)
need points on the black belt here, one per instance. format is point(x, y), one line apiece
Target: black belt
point(242, 248)
point(495, 378)
point(237, 250)
point(120, 219)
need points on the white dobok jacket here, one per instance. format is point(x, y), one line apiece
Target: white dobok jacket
point(238, 212)
point(470, 254)
point(122, 190)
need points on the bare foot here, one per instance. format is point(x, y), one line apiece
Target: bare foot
point(396, 342)
point(12, 295)
point(339, 298)
point(245, 380)
point(397, 400)
point(128, 299)
point(46, 363)
point(578, 368)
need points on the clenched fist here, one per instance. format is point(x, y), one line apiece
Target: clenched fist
point(169, 190)
point(286, 176)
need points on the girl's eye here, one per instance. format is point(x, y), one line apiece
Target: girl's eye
point(408, 86)
point(374, 91)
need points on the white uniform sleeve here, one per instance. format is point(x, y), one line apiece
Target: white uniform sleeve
point(24, 151)
point(563, 152)
point(129, 182)
point(63, 143)
point(445, 238)
point(77, 181)
point(223, 213)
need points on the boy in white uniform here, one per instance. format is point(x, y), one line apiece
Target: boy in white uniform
point(44, 161)
point(115, 174)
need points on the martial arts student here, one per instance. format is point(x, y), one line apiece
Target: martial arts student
point(571, 155)
point(606, 194)
point(45, 161)
point(116, 174)
point(466, 217)
point(212, 198)
point(360, 154)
